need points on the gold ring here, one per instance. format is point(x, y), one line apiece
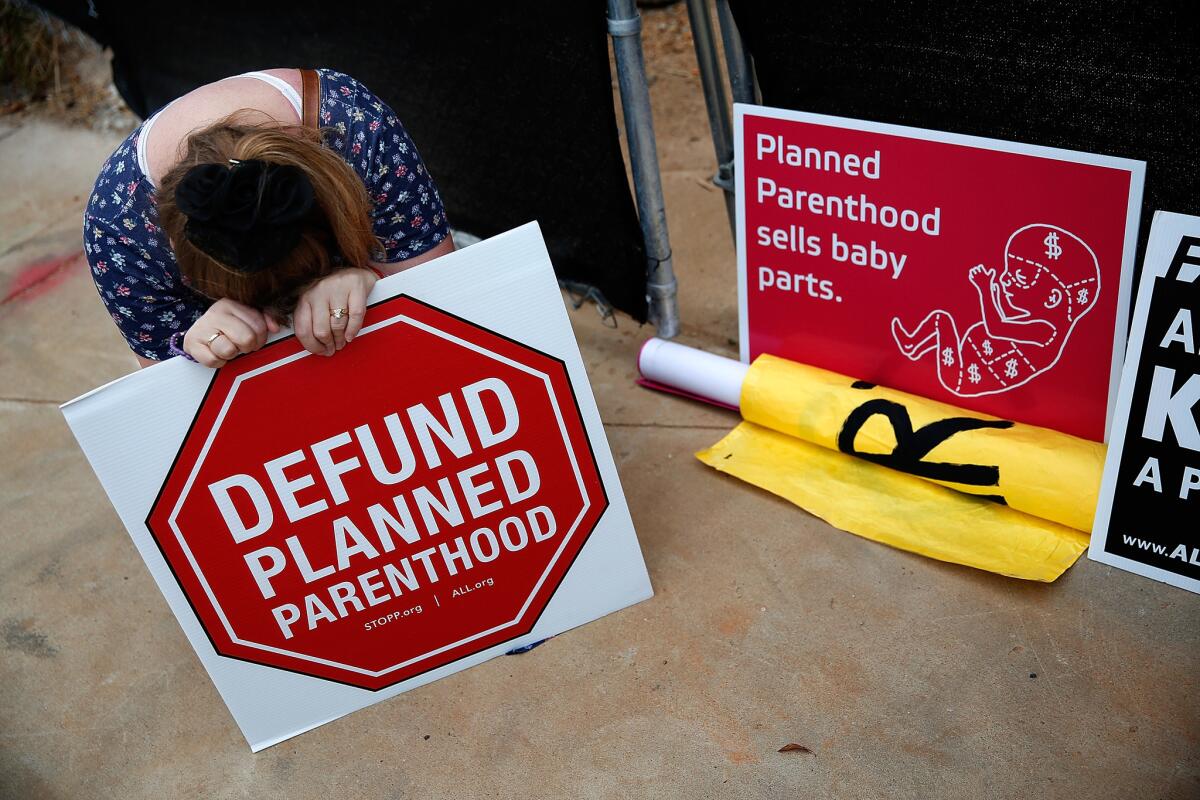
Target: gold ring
point(213, 338)
point(338, 313)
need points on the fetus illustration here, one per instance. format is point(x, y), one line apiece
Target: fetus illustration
point(1050, 280)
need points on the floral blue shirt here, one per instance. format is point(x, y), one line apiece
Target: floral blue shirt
point(131, 259)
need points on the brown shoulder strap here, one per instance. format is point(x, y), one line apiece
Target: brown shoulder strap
point(310, 98)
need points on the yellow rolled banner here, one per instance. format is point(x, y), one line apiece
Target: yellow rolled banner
point(903, 470)
point(896, 509)
point(1044, 473)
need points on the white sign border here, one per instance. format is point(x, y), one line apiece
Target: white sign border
point(505, 284)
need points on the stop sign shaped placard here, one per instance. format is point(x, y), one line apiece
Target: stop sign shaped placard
point(368, 517)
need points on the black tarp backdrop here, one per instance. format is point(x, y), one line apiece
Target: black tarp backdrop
point(1120, 79)
point(511, 105)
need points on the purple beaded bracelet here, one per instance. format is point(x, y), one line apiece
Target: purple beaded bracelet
point(174, 349)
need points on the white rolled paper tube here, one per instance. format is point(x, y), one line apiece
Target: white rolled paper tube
point(693, 371)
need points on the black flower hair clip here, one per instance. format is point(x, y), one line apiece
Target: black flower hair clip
point(248, 214)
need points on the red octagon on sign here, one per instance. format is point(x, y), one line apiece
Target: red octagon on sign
point(369, 517)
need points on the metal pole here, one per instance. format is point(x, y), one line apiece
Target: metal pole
point(737, 61)
point(625, 27)
point(714, 99)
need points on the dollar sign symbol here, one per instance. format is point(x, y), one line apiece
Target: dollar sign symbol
point(1052, 248)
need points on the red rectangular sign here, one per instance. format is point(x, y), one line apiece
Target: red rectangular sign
point(990, 275)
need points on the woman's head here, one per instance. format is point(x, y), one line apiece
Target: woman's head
point(1049, 272)
point(257, 212)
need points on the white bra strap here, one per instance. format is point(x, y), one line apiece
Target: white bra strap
point(143, 137)
point(141, 147)
point(283, 86)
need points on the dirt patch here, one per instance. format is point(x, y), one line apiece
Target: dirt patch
point(49, 69)
point(21, 636)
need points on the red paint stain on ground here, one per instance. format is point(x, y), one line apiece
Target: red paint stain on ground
point(39, 278)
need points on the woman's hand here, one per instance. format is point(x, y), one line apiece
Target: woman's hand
point(239, 328)
point(318, 327)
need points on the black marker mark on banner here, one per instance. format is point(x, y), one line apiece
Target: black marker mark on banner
point(912, 446)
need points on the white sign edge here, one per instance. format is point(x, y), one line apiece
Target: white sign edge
point(639, 589)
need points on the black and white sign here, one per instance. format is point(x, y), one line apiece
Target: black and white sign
point(1150, 496)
